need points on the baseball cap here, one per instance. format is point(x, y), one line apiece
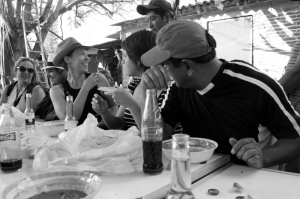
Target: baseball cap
point(154, 4)
point(179, 39)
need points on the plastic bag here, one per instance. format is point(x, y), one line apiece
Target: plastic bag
point(18, 116)
point(124, 155)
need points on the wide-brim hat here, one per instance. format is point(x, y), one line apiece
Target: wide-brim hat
point(155, 4)
point(50, 63)
point(64, 48)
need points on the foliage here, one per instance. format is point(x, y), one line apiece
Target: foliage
point(49, 11)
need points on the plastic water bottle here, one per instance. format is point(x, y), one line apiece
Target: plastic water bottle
point(10, 143)
point(152, 132)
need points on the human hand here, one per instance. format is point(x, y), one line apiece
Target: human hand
point(91, 81)
point(155, 77)
point(248, 150)
point(121, 96)
point(99, 105)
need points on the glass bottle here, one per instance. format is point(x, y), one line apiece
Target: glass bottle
point(180, 168)
point(152, 135)
point(70, 120)
point(29, 113)
point(10, 143)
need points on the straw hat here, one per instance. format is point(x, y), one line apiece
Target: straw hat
point(64, 48)
point(50, 63)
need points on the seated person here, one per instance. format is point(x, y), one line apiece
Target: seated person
point(129, 113)
point(56, 75)
point(28, 81)
point(108, 76)
point(73, 57)
point(222, 101)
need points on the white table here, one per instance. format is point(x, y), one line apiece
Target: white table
point(258, 183)
point(126, 186)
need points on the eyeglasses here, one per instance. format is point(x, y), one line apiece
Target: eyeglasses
point(22, 69)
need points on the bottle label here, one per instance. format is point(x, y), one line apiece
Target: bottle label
point(29, 119)
point(8, 137)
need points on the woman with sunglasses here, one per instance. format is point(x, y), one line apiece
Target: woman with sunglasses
point(28, 80)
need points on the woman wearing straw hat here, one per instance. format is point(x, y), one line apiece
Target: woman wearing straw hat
point(57, 75)
point(28, 82)
point(73, 57)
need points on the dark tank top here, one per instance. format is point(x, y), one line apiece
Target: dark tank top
point(88, 105)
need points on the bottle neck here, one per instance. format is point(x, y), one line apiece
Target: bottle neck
point(69, 108)
point(28, 103)
point(151, 100)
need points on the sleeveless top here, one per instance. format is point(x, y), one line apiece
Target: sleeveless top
point(20, 101)
point(88, 105)
point(129, 120)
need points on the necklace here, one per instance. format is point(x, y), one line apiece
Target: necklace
point(19, 92)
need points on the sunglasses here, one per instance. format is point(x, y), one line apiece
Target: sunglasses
point(22, 69)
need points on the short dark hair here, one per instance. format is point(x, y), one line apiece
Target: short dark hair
point(161, 12)
point(138, 44)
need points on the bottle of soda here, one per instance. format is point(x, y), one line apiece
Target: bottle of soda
point(70, 120)
point(152, 133)
point(180, 168)
point(29, 113)
point(10, 143)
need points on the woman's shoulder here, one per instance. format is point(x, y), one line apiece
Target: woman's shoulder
point(56, 89)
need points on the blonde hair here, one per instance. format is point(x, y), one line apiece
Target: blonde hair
point(36, 76)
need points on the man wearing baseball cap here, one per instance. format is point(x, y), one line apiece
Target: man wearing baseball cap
point(222, 101)
point(159, 13)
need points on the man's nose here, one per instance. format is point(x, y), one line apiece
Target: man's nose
point(150, 24)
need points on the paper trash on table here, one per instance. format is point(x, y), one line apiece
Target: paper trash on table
point(89, 148)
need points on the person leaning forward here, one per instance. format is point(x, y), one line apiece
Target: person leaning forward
point(222, 101)
point(159, 13)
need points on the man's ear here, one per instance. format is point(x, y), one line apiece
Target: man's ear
point(168, 17)
point(189, 66)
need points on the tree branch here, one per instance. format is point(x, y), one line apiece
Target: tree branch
point(18, 11)
point(105, 8)
point(46, 11)
point(51, 19)
point(10, 13)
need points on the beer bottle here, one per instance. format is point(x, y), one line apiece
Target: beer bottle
point(152, 133)
point(70, 120)
point(29, 113)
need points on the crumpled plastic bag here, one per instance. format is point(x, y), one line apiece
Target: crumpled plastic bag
point(125, 155)
point(18, 116)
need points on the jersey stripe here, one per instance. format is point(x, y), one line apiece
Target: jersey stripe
point(253, 68)
point(268, 90)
